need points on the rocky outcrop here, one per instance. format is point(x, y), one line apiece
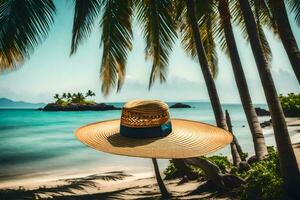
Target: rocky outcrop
point(180, 105)
point(291, 112)
point(79, 107)
point(266, 123)
point(262, 112)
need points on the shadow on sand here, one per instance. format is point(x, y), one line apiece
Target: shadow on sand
point(71, 184)
point(75, 189)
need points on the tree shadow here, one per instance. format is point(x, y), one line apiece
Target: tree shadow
point(71, 184)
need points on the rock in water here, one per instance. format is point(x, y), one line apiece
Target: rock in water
point(180, 105)
point(266, 123)
point(262, 112)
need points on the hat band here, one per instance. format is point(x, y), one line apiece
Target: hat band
point(151, 132)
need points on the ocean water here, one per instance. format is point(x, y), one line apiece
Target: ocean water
point(37, 143)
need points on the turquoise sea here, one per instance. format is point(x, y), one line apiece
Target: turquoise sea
point(38, 143)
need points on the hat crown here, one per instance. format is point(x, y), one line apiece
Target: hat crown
point(144, 113)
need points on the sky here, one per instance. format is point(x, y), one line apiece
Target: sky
point(51, 70)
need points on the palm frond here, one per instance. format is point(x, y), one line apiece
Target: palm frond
point(159, 29)
point(220, 26)
point(294, 5)
point(237, 17)
point(261, 18)
point(23, 25)
point(116, 41)
point(86, 12)
point(206, 17)
point(266, 14)
point(207, 37)
point(187, 38)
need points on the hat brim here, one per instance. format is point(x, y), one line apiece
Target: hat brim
point(187, 139)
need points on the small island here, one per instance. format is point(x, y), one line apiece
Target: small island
point(180, 105)
point(77, 102)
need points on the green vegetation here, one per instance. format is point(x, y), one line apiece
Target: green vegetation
point(290, 104)
point(76, 98)
point(263, 178)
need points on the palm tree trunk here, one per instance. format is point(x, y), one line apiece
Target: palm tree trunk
point(240, 79)
point(236, 158)
point(161, 185)
point(288, 164)
point(210, 84)
point(286, 35)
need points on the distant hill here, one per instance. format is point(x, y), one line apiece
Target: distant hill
point(8, 103)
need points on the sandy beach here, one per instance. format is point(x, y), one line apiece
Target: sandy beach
point(116, 184)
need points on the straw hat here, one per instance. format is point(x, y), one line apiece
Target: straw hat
point(146, 130)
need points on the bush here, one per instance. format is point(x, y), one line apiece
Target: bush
point(263, 179)
point(171, 172)
point(290, 104)
point(221, 161)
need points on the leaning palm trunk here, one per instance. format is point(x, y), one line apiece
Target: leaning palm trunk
point(212, 171)
point(286, 35)
point(240, 79)
point(236, 158)
point(210, 84)
point(288, 164)
point(239, 148)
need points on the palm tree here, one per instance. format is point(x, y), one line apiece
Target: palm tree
point(288, 163)
point(69, 96)
point(230, 46)
point(57, 97)
point(79, 97)
point(89, 93)
point(116, 38)
point(23, 25)
point(280, 15)
point(236, 158)
point(64, 95)
point(211, 87)
point(158, 28)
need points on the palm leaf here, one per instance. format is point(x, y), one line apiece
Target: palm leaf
point(186, 34)
point(206, 16)
point(156, 18)
point(207, 36)
point(86, 12)
point(262, 16)
point(23, 25)
point(116, 41)
point(294, 5)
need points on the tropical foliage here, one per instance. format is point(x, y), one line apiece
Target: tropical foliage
point(23, 25)
point(75, 98)
point(290, 104)
point(263, 178)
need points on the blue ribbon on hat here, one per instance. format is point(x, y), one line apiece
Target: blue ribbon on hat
point(146, 132)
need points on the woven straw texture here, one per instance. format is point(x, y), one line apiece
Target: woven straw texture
point(144, 113)
point(188, 139)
